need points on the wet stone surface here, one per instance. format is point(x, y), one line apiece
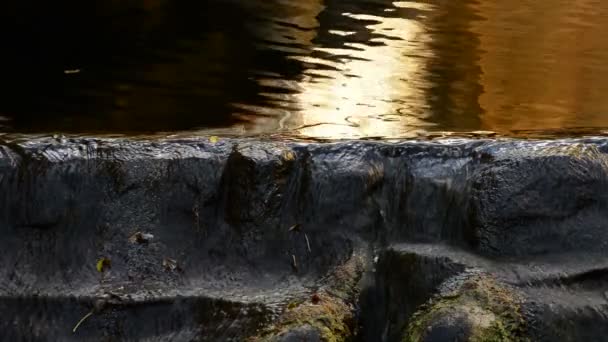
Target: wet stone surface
point(261, 240)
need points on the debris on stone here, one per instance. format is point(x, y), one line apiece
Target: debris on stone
point(171, 265)
point(103, 264)
point(288, 156)
point(197, 219)
point(307, 243)
point(140, 237)
point(84, 318)
point(295, 228)
point(71, 71)
point(294, 263)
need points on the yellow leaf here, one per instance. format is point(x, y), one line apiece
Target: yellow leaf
point(103, 264)
point(289, 156)
point(214, 139)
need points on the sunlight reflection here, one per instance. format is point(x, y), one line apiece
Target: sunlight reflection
point(369, 88)
point(360, 98)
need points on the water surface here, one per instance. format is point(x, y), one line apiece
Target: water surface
point(326, 69)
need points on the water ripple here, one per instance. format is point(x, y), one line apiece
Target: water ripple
point(322, 69)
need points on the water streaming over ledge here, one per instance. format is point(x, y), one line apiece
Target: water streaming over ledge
point(321, 69)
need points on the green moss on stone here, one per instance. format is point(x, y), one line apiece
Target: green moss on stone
point(491, 312)
point(329, 311)
point(329, 317)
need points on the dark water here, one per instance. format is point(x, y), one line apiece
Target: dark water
point(333, 68)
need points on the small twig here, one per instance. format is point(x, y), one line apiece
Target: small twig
point(319, 124)
point(71, 71)
point(283, 120)
point(295, 264)
point(296, 227)
point(81, 321)
point(352, 124)
point(307, 243)
point(196, 217)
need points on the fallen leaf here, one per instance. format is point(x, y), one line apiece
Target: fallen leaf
point(171, 265)
point(103, 264)
point(140, 237)
point(214, 139)
point(289, 156)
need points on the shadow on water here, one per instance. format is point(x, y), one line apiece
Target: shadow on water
point(329, 69)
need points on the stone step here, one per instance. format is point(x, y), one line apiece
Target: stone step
point(44, 318)
point(240, 218)
point(546, 293)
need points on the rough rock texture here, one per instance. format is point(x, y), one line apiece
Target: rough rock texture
point(542, 200)
point(242, 234)
point(450, 292)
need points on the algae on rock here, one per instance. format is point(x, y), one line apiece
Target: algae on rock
point(328, 315)
point(477, 310)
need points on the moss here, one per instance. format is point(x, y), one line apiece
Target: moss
point(329, 311)
point(491, 312)
point(329, 317)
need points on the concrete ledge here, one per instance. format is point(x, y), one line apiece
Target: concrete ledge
point(262, 224)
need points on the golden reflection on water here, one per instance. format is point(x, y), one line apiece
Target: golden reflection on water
point(544, 65)
point(466, 66)
point(373, 99)
point(316, 68)
point(373, 90)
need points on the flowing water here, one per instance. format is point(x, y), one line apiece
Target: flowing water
point(315, 68)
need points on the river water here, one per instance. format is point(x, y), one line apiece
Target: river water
point(313, 68)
